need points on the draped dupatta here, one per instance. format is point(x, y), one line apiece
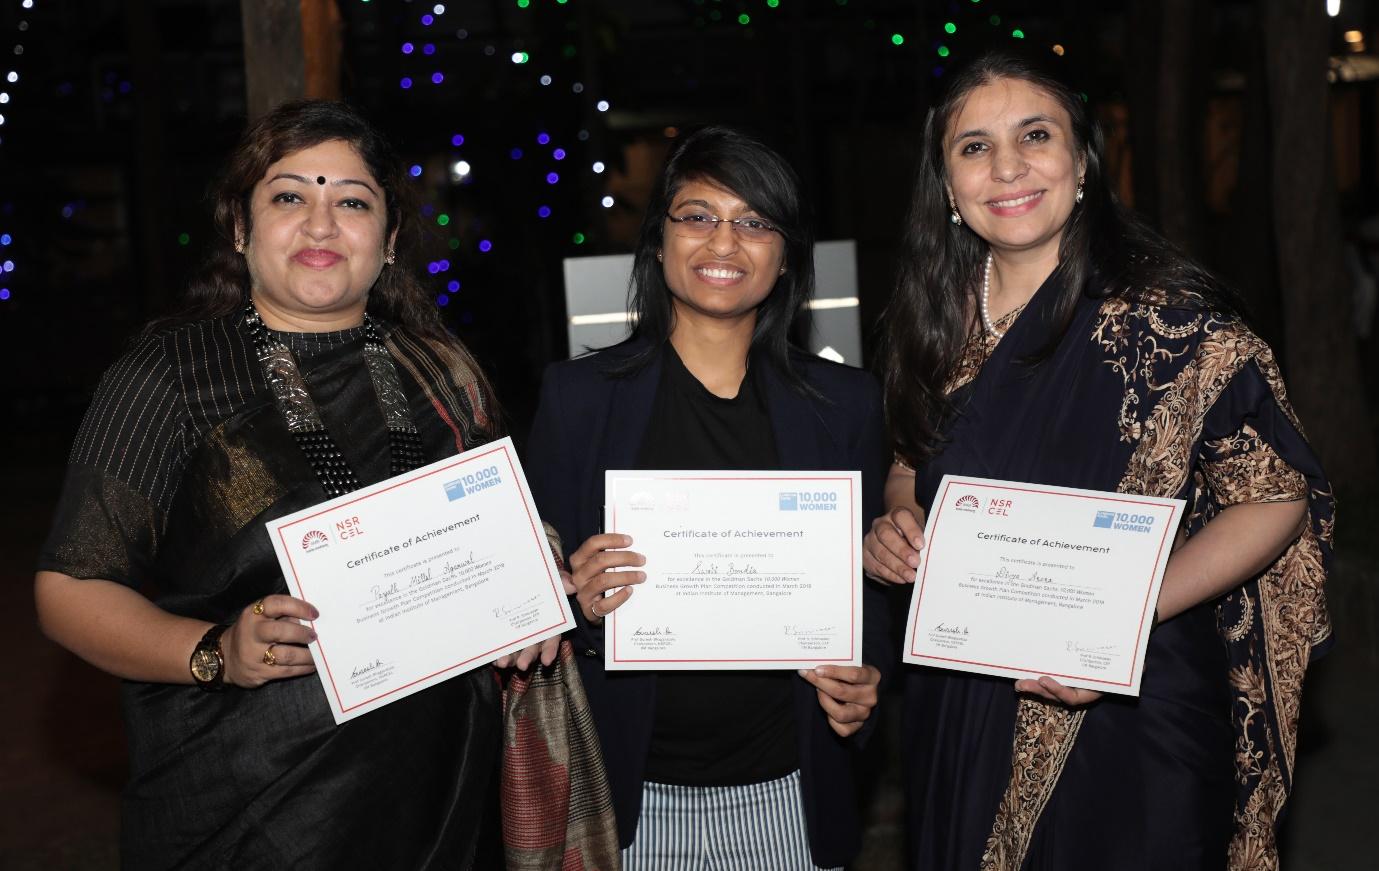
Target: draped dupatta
point(1156, 397)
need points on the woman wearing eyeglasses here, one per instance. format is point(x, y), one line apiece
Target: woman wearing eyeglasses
point(714, 769)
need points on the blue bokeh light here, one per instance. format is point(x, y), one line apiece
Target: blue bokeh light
point(543, 212)
point(415, 170)
point(485, 245)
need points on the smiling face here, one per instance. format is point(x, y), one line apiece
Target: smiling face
point(721, 275)
point(1013, 167)
point(313, 249)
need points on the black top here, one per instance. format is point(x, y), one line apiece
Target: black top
point(181, 459)
point(594, 415)
point(692, 742)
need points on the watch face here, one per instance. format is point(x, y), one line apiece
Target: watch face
point(205, 665)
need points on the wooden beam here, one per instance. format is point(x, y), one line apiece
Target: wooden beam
point(291, 50)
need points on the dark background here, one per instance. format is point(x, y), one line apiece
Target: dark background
point(1247, 131)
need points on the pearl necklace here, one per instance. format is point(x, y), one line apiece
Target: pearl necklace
point(986, 295)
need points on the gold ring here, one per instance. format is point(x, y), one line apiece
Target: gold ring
point(594, 609)
point(268, 657)
point(258, 607)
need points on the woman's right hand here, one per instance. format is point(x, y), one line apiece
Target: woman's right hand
point(589, 567)
point(890, 551)
point(270, 624)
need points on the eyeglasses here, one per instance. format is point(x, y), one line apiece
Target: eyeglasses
point(697, 225)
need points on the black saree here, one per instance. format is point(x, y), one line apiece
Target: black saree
point(169, 495)
point(1157, 399)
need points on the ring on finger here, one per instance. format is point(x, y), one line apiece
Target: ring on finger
point(268, 657)
point(594, 608)
point(258, 607)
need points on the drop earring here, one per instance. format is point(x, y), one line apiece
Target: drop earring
point(660, 258)
point(1080, 183)
point(390, 258)
point(954, 216)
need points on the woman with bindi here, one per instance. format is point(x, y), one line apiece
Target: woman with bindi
point(305, 362)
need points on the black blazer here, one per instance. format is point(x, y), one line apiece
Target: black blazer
point(588, 422)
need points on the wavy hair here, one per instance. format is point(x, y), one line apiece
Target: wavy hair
point(767, 183)
point(221, 286)
point(1106, 250)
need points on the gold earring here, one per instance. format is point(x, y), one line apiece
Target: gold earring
point(953, 215)
point(239, 246)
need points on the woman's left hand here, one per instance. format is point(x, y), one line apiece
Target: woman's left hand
point(545, 651)
point(847, 693)
point(1051, 690)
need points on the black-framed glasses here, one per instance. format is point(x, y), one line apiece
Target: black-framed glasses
point(700, 225)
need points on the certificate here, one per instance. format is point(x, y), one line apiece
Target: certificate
point(1022, 580)
point(422, 577)
point(744, 570)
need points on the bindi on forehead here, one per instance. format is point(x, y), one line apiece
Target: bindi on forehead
point(321, 180)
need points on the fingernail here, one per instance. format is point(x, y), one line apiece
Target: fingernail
point(315, 613)
point(804, 672)
point(913, 562)
point(626, 541)
point(312, 635)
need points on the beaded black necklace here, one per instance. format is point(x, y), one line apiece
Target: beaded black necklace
point(304, 420)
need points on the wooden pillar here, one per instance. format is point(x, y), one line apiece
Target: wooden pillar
point(1322, 359)
point(291, 50)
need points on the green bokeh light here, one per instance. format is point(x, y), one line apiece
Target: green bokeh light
point(950, 27)
point(577, 238)
point(744, 18)
point(442, 219)
point(897, 39)
point(943, 51)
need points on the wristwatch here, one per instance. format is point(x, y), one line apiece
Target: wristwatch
point(208, 662)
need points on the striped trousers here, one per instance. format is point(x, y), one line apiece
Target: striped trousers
point(756, 827)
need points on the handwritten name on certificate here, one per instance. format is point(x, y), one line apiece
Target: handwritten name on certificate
point(422, 577)
point(1022, 580)
point(744, 570)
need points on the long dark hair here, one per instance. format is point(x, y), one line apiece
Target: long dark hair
point(767, 183)
point(1106, 250)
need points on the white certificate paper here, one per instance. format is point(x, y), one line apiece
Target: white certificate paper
point(1022, 580)
point(422, 577)
point(745, 570)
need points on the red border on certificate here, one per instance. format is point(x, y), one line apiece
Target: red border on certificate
point(852, 568)
point(1145, 610)
point(556, 588)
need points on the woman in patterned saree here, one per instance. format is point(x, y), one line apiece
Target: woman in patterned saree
point(306, 362)
point(1042, 333)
